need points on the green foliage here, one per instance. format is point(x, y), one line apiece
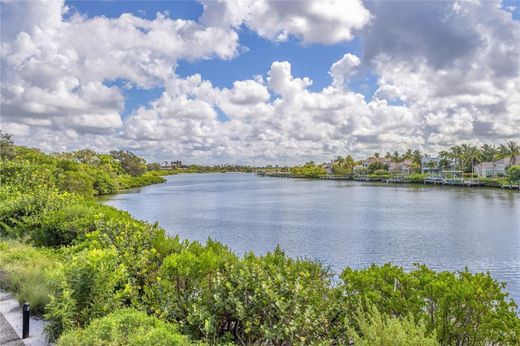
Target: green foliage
point(90, 284)
point(125, 327)
point(77, 182)
point(493, 182)
point(185, 284)
point(417, 178)
point(26, 272)
point(271, 299)
point(70, 223)
point(309, 170)
point(140, 248)
point(375, 328)
point(381, 172)
point(7, 149)
point(461, 308)
point(514, 173)
point(20, 210)
point(376, 166)
point(131, 163)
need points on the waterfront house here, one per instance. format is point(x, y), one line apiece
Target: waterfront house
point(328, 168)
point(359, 169)
point(495, 168)
point(403, 168)
point(490, 169)
point(506, 161)
point(430, 165)
point(370, 160)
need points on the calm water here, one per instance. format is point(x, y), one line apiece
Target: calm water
point(341, 223)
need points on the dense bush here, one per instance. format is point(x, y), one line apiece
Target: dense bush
point(374, 328)
point(90, 284)
point(417, 178)
point(461, 308)
point(514, 173)
point(309, 170)
point(125, 327)
point(270, 299)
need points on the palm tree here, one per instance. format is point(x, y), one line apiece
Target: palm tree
point(511, 150)
point(417, 157)
point(408, 155)
point(470, 155)
point(489, 152)
point(455, 153)
point(396, 157)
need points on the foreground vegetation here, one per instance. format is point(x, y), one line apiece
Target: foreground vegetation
point(101, 277)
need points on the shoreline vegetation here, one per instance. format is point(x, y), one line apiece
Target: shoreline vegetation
point(461, 165)
point(99, 276)
point(419, 179)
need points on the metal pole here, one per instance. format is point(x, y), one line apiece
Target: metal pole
point(25, 321)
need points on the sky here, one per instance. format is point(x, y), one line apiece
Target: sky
point(259, 82)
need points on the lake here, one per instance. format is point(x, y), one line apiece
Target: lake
point(341, 223)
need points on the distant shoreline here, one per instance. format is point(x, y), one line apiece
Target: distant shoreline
point(469, 183)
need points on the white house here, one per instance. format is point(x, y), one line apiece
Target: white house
point(490, 169)
point(430, 165)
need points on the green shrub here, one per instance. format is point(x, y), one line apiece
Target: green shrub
point(135, 243)
point(26, 271)
point(271, 299)
point(77, 182)
point(375, 328)
point(417, 178)
point(104, 184)
point(461, 308)
point(59, 227)
point(125, 327)
point(20, 210)
point(185, 280)
point(514, 173)
point(90, 284)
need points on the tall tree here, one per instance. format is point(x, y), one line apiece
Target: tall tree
point(7, 150)
point(510, 150)
point(131, 163)
point(396, 157)
point(470, 155)
point(489, 152)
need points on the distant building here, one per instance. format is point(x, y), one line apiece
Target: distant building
point(506, 161)
point(172, 164)
point(403, 168)
point(328, 168)
point(370, 160)
point(490, 169)
point(430, 165)
point(495, 168)
point(358, 168)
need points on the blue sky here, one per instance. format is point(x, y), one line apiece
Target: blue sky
point(255, 58)
point(256, 53)
point(228, 81)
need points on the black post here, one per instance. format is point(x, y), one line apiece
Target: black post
point(25, 321)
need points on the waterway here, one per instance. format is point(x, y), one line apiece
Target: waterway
point(341, 223)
